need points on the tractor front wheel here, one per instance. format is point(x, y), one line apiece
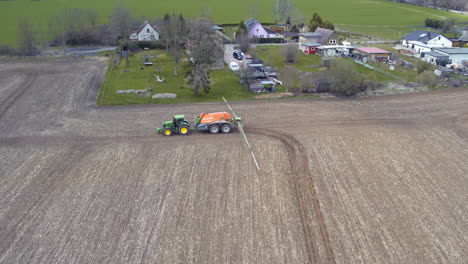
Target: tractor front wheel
point(226, 128)
point(168, 132)
point(184, 130)
point(214, 129)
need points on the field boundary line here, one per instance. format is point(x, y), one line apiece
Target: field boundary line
point(107, 79)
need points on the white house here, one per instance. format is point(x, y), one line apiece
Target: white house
point(256, 30)
point(423, 41)
point(145, 33)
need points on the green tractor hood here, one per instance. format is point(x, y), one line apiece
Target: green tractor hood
point(165, 124)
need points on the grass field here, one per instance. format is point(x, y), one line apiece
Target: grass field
point(373, 17)
point(137, 77)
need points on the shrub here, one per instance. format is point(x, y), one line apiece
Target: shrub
point(308, 85)
point(423, 66)
point(427, 78)
point(151, 44)
point(7, 51)
point(347, 81)
point(323, 82)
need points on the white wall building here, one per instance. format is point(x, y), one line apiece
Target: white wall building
point(423, 41)
point(455, 55)
point(145, 33)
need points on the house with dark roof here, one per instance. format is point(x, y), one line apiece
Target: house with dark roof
point(256, 30)
point(327, 37)
point(423, 41)
point(145, 33)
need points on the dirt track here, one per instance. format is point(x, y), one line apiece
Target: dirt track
point(376, 180)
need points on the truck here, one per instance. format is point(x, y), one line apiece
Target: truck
point(212, 122)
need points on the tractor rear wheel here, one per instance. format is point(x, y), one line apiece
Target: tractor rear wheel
point(184, 130)
point(168, 132)
point(214, 129)
point(226, 128)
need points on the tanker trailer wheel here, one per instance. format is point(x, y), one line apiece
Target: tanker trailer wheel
point(226, 128)
point(214, 129)
point(184, 130)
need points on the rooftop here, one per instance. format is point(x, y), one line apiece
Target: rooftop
point(310, 34)
point(421, 35)
point(435, 54)
point(453, 50)
point(464, 37)
point(311, 44)
point(325, 34)
point(372, 50)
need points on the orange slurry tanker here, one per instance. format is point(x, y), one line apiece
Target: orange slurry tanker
point(213, 122)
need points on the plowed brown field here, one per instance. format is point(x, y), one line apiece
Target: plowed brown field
point(375, 180)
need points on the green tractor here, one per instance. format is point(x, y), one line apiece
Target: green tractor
point(178, 125)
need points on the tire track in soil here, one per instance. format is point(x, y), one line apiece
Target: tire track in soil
point(9, 101)
point(299, 164)
point(460, 125)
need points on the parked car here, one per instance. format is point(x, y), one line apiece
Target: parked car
point(238, 55)
point(234, 66)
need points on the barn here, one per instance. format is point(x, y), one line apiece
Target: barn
point(372, 54)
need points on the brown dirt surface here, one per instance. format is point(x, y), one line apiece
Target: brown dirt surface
point(370, 180)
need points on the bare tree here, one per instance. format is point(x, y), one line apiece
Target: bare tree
point(122, 21)
point(174, 34)
point(198, 78)
point(205, 46)
point(205, 49)
point(290, 53)
point(27, 37)
point(290, 78)
point(244, 42)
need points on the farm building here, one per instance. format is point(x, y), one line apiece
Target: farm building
point(423, 41)
point(256, 30)
point(327, 37)
point(334, 50)
point(309, 48)
point(145, 33)
point(309, 37)
point(455, 55)
point(435, 58)
point(372, 54)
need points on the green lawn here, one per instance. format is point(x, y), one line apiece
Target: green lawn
point(137, 76)
point(372, 17)
point(274, 55)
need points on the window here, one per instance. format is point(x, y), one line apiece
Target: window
point(261, 36)
point(147, 30)
point(332, 41)
point(439, 37)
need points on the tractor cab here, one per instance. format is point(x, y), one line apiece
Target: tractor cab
point(178, 119)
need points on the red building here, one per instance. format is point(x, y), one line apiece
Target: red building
point(309, 48)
